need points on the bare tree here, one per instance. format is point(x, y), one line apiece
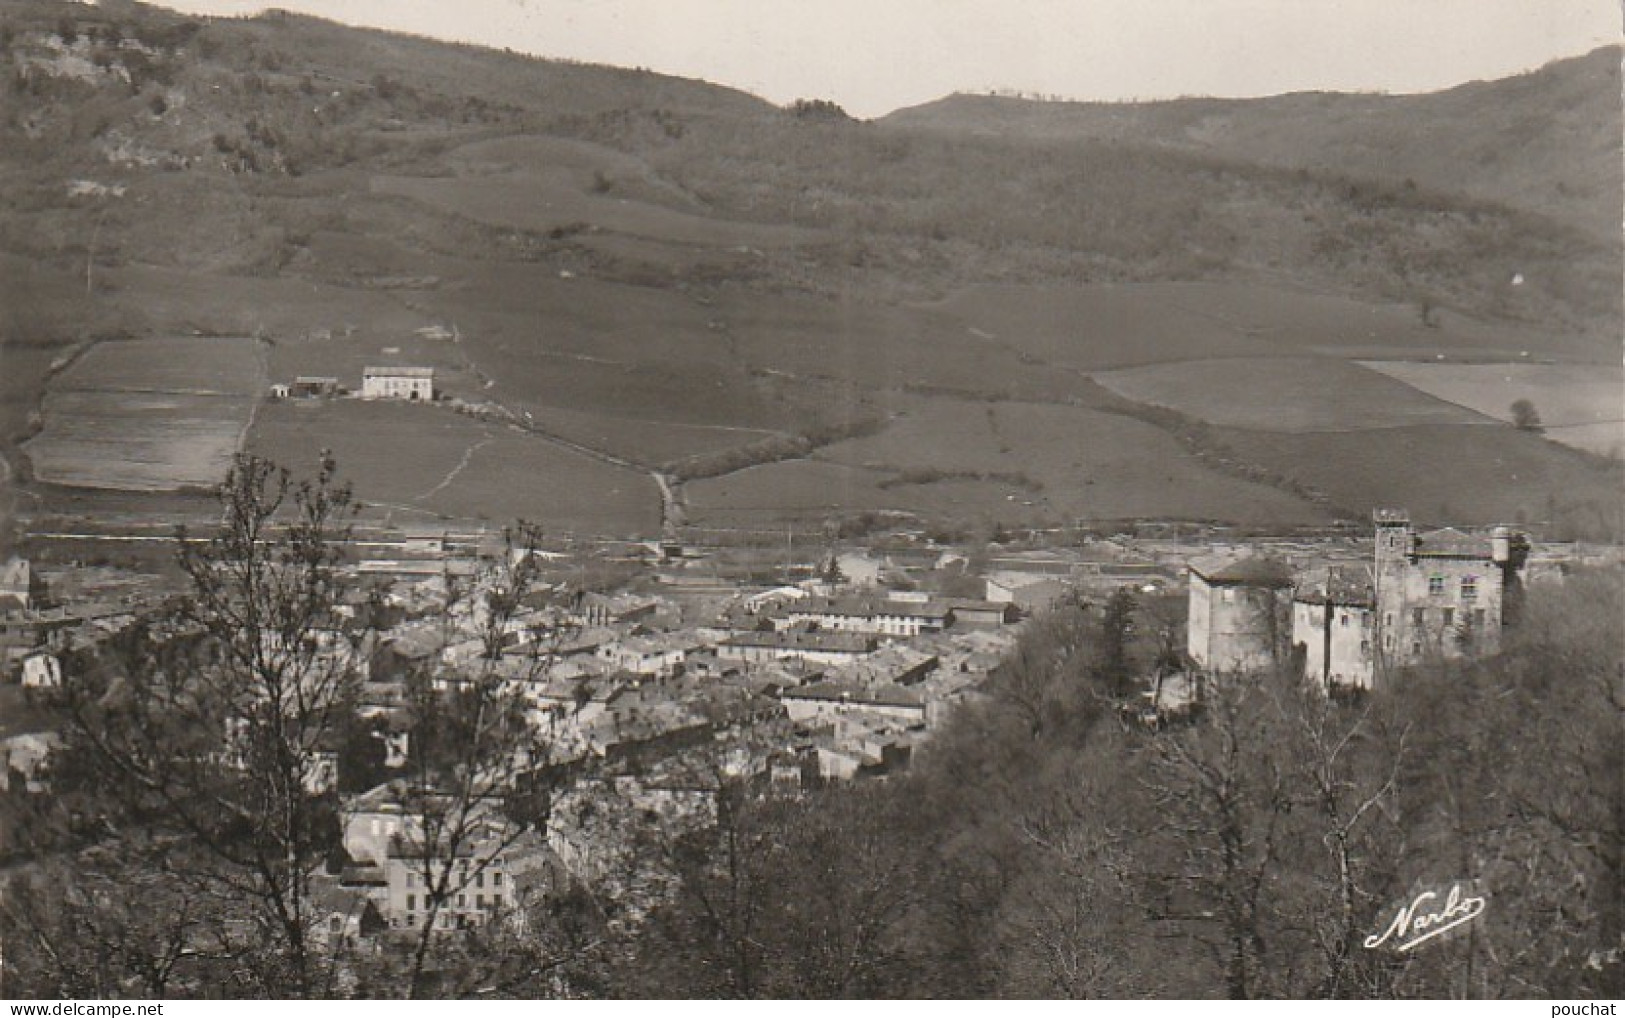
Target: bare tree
point(213, 725)
point(478, 768)
point(1222, 797)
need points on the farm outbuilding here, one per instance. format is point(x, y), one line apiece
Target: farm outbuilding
point(314, 386)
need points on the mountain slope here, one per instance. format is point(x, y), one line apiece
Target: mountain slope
point(659, 274)
point(1548, 141)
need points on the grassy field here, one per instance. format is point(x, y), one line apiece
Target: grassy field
point(414, 462)
point(544, 202)
point(1462, 474)
point(1284, 394)
point(1581, 406)
point(151, 414)
point(1116, 325)
point(650, 442)
point(1067, 462)
point(1015, 463)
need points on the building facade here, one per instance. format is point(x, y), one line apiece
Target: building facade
point(397, 383)
point(1240, 613)
point(1443, 593)
point(1334, 628)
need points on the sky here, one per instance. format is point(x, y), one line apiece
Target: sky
point(873, 56)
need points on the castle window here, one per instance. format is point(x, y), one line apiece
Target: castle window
point(1449, 617)
point(1435, 586)
point(1343, 620)
point(1469, 588)
point(1416, 648)
point(411, 902)
point(1365, 646)
point(1419, 617)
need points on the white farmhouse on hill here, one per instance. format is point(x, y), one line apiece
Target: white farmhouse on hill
point(397, 383)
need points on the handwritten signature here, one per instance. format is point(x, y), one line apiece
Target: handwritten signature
point(1429, 915)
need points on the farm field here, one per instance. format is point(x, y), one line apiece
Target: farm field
point(878, 346)
point(149, 414)
point(1066, 462)
point(518, 476)
point(647, 442)
point(410, 462)
point(1461, 474)
point(1579, 405)
point(1102, 326)
point(282, 307)
point(1284, 394)
point(805, 493)
point(543, 202)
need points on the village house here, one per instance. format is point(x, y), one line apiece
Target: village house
point(659, 656)
point(825, 701)
point(1334, 627)
point(27, 757)
point(479, 878)
point(343, 915)
point(1240, 612)
point(24, 632)
point(893, 665)
point(800, 644)
point(397, 383)
point(892, 615)
point(21, 587)
point(981, 613)
point(1028, 592)
point(42, 670)
point(594, 609)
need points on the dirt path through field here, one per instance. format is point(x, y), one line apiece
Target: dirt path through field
point(451, 475)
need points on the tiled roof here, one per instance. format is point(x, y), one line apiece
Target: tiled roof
point(1346, 585)
point(397, 372)
point(880, 696)
point(1243, 570)
point(869, 606)
point(794, 639)
point(1452, 543)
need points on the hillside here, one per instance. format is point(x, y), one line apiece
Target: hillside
point(617, 274)
point(1546, 142)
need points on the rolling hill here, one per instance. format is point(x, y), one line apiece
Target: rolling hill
point(786, 314)
point(1545, 142)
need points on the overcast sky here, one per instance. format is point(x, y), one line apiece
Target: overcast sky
point(873, 56)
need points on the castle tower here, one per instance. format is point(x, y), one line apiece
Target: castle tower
point(1394, 546)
